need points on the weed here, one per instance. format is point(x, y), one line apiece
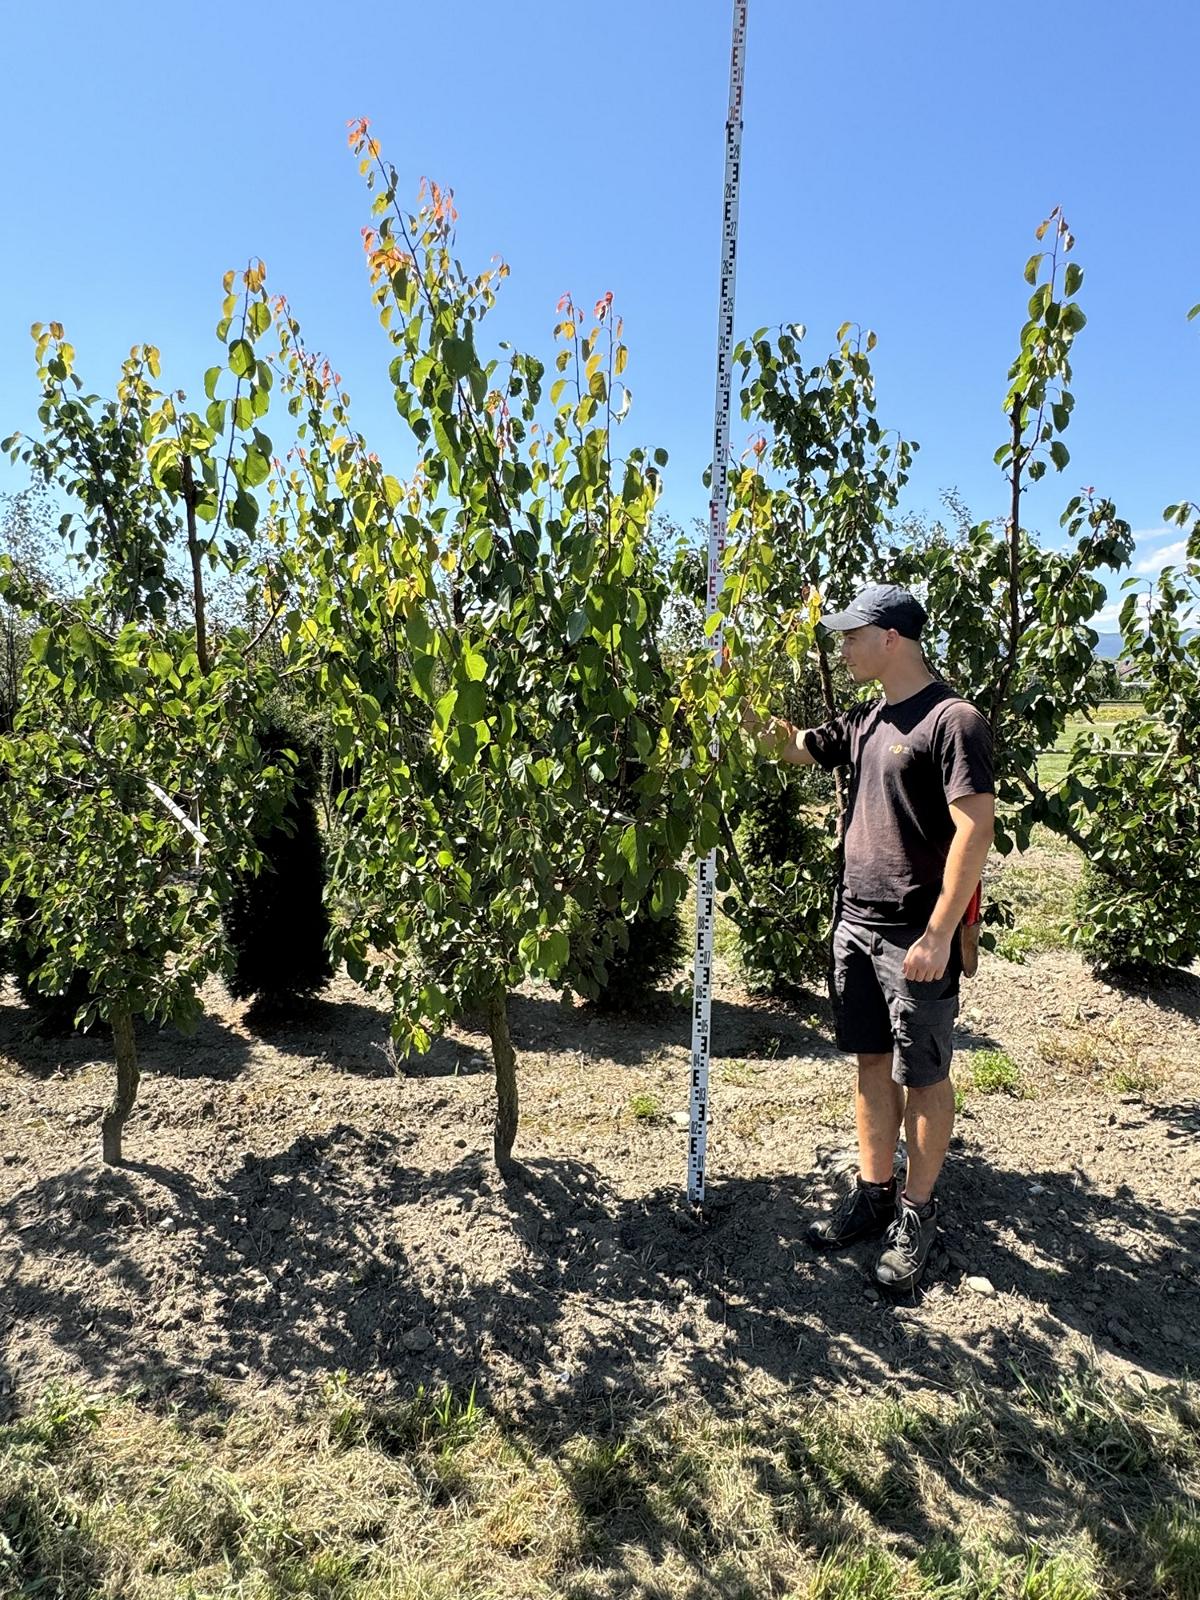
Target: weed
point(1141, 1078)
point(645, 1107)
point(63, 1415)
point(870, 1576)
point(835, 1109)
point(1058, 1576)
point(1074, 1052)
point(603, 1478)
point(741, 1074)
point(1173, 1535)
point(994, 1072)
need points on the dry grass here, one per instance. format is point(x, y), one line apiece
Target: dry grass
point(1110, 1053)
point(835, 1109)
point(739, 1074)
point(1065, 1489)
point(754, 1118)
point(1038, 888)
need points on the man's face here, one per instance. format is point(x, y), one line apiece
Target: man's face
point(865, 652)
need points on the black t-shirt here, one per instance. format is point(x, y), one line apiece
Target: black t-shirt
point(907, 762)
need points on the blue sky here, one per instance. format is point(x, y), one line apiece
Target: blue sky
point(896, 162)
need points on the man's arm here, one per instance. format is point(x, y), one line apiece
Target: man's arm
point(974, 818)
point(777, 740)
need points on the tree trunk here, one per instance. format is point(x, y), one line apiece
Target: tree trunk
point(1012, 647)
point(189, 501)
point(127, 1085)
point(826, 676)
point(506, 1080)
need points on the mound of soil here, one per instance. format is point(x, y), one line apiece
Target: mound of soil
point(293, 1206)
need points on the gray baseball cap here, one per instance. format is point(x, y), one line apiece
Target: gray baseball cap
point(884, 604)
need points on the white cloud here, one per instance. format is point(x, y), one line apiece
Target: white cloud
point(1108, 619)
point(1151, 564)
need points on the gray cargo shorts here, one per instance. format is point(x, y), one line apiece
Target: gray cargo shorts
point(877, 1009)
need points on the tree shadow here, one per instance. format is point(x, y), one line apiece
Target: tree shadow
point(1182, 1115)
point(570, 1304)
point(329, 1213)
point(748, 1029)
point(212, 1050)
point(1177, 990)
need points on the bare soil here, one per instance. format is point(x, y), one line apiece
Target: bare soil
point(292, 1206)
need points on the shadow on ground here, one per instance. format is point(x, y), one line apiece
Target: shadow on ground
point(213, 1050)
point(335, 1252)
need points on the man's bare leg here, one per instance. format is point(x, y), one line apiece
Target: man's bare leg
point(928, 1123)
point(878, 1112)
point(868, 1208)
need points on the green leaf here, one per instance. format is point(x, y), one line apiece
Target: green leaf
point(444, 709)
point(557, 950)
point(1194, 312)
point(260, 317)
point(244, 514)
point(256, 468)
point(462, 743)
point(474, 665)
point(471, 702)
point(1059, 454)
point(1031, 267)
point(576, 623)
point(459, 356)
point(633, 849)
point(1072, 279)
point(423, 671)
point(418, 632)
point(241, 357)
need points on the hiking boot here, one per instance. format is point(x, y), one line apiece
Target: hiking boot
point(865, 1213)
point(906, 1251)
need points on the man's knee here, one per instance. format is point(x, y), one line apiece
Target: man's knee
point(931, 1096)
point(871, 1065)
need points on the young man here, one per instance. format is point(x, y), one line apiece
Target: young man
point(919, 823)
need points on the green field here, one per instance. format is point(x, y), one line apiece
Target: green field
point(1102, 729)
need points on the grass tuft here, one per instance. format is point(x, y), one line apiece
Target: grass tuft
point(994, 1072)
point(645, 1107)
point(870, 1576)
point(1174, 1537)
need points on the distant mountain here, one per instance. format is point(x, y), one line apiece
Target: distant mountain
point(1109, 647)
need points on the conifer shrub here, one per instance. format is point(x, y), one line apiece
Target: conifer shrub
point(647, 952)
point(785, 878)
point(276, 923)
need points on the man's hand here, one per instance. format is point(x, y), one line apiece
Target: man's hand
point(927, 960)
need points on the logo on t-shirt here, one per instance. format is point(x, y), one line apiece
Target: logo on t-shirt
point(900, 749)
